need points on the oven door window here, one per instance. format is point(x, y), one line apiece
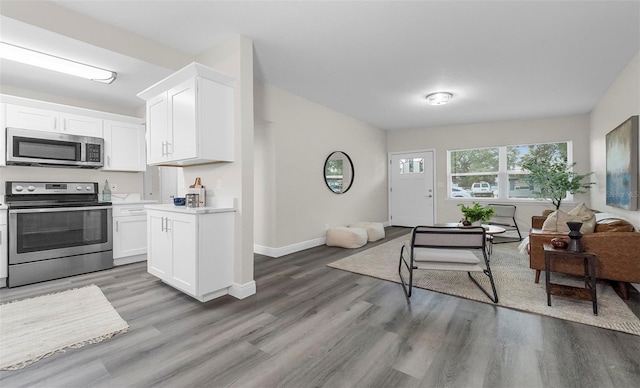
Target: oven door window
point(61, 229)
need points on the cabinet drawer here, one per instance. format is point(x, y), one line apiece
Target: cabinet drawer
point(129, 210)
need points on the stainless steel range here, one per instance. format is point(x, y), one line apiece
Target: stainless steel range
point(56, 229)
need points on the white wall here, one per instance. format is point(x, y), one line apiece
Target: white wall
point(620, 101)
point(293, 138)
point(574, 128)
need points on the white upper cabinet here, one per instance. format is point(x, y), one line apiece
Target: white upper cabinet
point(26, 117)
point(124, 146)
point(124, 136)
point(190, 118)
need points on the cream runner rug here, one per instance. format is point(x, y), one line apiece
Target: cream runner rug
point(32, 329)
point(514, 282)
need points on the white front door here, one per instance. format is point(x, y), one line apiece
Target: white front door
point(411, 191)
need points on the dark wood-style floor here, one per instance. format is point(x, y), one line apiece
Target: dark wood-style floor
point(310, 325)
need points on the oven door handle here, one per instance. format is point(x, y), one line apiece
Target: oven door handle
point(58, 209)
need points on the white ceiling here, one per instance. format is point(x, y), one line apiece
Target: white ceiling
point(376, 60)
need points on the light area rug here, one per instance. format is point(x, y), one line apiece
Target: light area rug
point(514, 282)
point(35, 328)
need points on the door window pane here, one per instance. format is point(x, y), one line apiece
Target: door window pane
point(412, 166)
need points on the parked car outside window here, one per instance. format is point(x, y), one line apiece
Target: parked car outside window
point(457, 192)
point(481, 189)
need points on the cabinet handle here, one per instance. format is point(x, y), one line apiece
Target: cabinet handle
point(167, 227)
point(135, 210)
point(55, 123)
point(162, 224)
point(168, 153)
point(117, 224)
point(64, 124)
point(164, 145)
point(108, 160)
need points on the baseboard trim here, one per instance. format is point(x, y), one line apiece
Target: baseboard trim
point(241, 291)
point(286, 250)
point(293, 248)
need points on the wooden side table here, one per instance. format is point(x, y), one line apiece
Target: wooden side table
point(586, 293)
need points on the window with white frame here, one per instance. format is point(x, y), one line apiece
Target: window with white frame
point(496, 172)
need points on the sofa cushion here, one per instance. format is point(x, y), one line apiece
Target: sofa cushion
point(588, 218)
point(613, 225)
point(556, 222)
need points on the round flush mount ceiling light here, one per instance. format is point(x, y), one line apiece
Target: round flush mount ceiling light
point(439, 98)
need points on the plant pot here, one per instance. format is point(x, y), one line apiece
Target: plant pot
point(476, 223)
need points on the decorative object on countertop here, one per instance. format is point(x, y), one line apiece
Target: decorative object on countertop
point(193, 200)
point(574, 244)
point(196, 192)
point(106, 192)
point(179, 201)
point(476, 213)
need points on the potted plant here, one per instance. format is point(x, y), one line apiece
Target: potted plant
point(552, 180)
point(476, 213)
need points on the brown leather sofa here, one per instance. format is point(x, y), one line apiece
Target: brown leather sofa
point(617, 248)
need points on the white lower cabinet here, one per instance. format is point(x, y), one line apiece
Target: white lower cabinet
point(129, 233)
point(4, 249)
point(192, 252)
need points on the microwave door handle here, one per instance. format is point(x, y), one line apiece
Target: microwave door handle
point(58, 209)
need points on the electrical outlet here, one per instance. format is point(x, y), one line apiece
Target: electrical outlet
point(114, 187)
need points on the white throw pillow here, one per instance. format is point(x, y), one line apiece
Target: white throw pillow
point(556, 222)
point(587, 217)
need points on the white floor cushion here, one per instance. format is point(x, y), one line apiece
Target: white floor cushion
point(375, 230)
point(341, 236)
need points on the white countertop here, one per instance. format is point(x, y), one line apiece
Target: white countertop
point(214, 205)
point(135, 202)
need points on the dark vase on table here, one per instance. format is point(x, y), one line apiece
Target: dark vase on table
point(574, 244)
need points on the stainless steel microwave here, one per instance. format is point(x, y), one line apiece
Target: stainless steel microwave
point(27, 147)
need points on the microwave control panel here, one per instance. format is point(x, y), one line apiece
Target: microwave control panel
point(93, 152)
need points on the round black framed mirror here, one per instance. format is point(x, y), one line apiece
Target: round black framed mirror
point(338, 172)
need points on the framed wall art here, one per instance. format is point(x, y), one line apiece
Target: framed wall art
point(622, 165)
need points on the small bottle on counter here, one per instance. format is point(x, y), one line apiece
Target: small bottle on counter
point(106, 192)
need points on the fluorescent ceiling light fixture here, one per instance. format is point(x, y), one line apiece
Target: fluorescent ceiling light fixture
point(46, 61)
point(439, 98)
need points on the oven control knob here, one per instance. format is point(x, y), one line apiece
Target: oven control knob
point(79, 188)
point(30, 188)
point(89, 188)
point(19, 188)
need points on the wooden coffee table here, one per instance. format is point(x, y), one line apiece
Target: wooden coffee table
point(586, 293)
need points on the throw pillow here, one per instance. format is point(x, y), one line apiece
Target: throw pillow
point(587, 217)
point(556, 222)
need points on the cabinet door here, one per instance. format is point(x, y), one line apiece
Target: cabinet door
point(182, 121)
point(4, 251)
point(129, 236)
point(157, 127)
point(159, 245)
point(80, 125)
point(32, 118)
point(183, 229)
point(124, 147)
